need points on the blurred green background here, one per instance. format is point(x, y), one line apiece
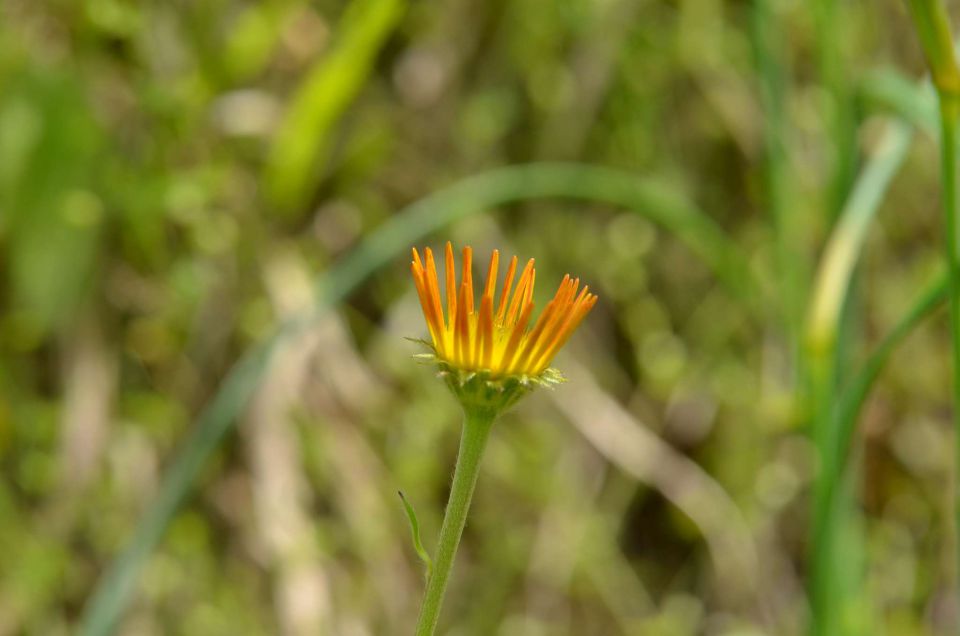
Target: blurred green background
point(178, 179)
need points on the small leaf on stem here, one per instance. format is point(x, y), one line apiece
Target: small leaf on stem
point(415, 534)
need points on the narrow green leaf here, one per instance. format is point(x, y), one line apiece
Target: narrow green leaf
point(415, 534)
point(304, 141)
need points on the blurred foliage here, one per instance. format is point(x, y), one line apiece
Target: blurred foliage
point(174, 176)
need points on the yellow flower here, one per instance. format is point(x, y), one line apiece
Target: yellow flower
point(494, 337)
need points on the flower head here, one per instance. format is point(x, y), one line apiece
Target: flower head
point(494, 339)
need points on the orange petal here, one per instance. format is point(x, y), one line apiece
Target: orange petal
point(581, 308)
point(451, 274)
point(547, 325)
point(530, 342)
point(528, 294)
point(492, 272)
point(462, 333)
point(485, 331)
point(417, 271)
point(514, 343)
point(519, 294)
point(433, 289)
point(467, 277)
point(505, 293)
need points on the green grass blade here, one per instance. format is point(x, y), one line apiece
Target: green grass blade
point(932, 25)
point(304, 138)
point(949, 140)
point(470, 196)
point(115, 588)
point(835, 587)
point(854, 395)
point(649, 197)
point(834, 571)
point(916, 103)
point(834, 478)
point(846, 241)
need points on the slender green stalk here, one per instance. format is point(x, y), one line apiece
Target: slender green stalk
point(835, 576)
point(830, 593)
point(833, 580)
point(932, 25)
point(473, 441)
point(949, 110)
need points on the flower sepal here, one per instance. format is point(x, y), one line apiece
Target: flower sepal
point(484, 391)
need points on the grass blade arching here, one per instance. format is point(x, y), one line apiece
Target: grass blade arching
point(470, 196)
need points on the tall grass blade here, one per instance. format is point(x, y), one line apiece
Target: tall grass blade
point(854, 396)
point(834, 569)
point(471, 196)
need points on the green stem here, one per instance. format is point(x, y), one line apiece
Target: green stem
point(827, 591)
point(949, 109)
point(476, 429)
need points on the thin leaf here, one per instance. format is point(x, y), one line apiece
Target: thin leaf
point(415, 534)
